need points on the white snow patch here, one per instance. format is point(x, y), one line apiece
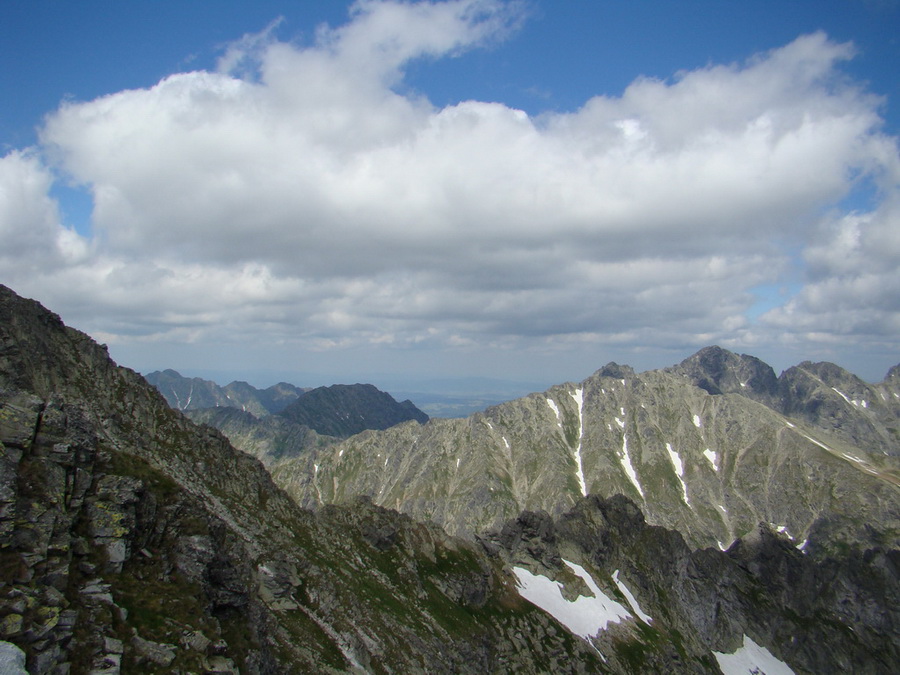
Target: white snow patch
point(551, 403)
point(751, 659)
point(712, 457)
point(505, 442)
point(490, 426)
point(802, 545)
point(625, 460)
point(679, 471)
point(621, 423)
point(457, 462)
point(722, 546)
point(722, 508)
point(842, 394)
point(584, 616)
point(697, 422)
point(622, 411)
point(341, 452)
point(578, 396)
point(792, 426)
point(646, 618)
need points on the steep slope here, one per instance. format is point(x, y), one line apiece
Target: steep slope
point(132, 540)
point(345, 409)
point(762, 595)
point(195, 393)
point(711, 466)
point(270, 439)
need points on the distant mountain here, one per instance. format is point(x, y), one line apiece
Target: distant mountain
point(132, 540)
point(345, 409)
point(183, 393)
point(709, 448)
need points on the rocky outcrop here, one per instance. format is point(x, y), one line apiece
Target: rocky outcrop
point(132, 540)
point(835, 615)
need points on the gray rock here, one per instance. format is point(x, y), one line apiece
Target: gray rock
point(12, 659)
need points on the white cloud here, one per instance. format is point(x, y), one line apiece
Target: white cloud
point(297, 195)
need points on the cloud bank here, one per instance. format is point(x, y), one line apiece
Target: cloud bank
point(302, 195)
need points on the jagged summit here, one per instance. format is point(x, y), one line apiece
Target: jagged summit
point(719, 371)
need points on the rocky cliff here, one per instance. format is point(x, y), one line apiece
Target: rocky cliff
point(132, 540)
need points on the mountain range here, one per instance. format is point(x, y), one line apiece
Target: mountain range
point(134, 540)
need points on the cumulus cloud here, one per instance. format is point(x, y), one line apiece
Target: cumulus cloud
point(300, 193)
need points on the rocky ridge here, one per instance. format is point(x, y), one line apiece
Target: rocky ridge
point(709, 448)
point(195, 393)
point(133, 540)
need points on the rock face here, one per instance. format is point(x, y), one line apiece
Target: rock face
point(815, 446)
point(686, 604)
point(345, 409)
point(132, 540)
point(195, 393)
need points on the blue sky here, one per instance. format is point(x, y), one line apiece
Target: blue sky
point(327, 191)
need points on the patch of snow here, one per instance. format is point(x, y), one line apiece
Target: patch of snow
point(646, 618)
point(842, 394)
point(697, 422)
point(802, 545)
point(341, 452)
point(315, 469)
point(625, 460)
point(578, 396)
point(712, 457)
point(552, 405)
point(679, 471)
point(621, 423)
point(505, 442)
point(722, 546)
point(743, 384)
point(722, 508)
point(751, 659)
point(622, 411)
point(819, 443)
point(585, 616)
point(457, 462)
point(490, 426)
point(790, 425)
